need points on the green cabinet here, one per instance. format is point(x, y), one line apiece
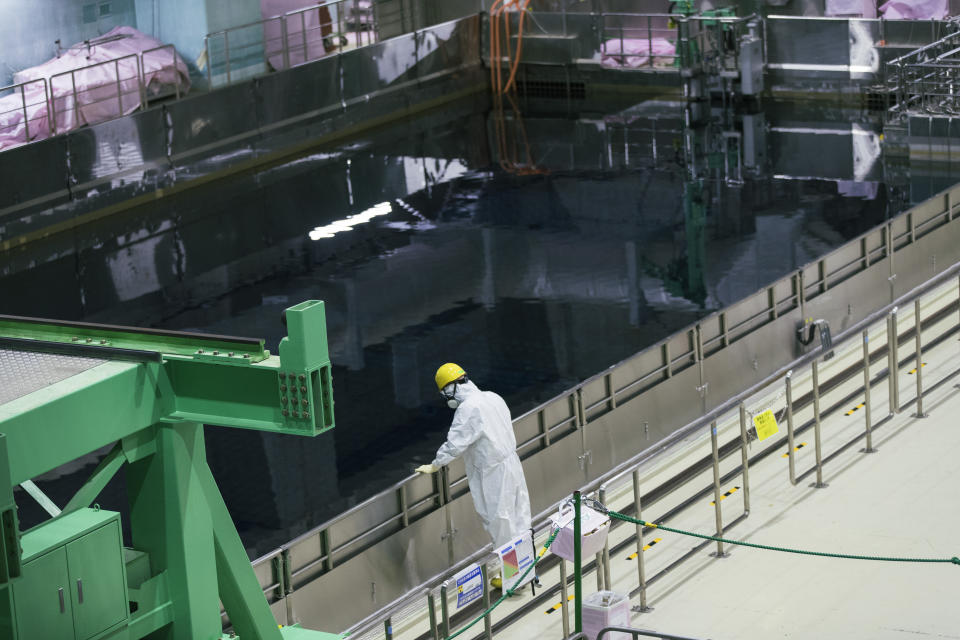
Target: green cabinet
point(74, 583)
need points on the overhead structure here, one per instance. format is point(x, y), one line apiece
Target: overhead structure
point(67, 389)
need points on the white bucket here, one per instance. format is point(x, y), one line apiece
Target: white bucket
point(593, 532)
point(606, 609)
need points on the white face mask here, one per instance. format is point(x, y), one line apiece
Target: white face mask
point(448, 395)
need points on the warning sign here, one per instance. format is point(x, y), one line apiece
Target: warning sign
point(469, 585)
point(766, 424)
point(515, 557)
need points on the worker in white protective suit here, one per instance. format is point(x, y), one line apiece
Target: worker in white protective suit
point(482, 432)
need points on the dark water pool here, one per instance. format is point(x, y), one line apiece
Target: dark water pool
point(612, 232)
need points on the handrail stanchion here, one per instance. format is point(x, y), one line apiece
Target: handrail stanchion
point(226, 52)
point(206, 49)
point(866, 391)
point(388, 629)
point(790, 446)
point(487, 625)
point(605, 553)
point(919, 357)
point(432, 613)
point(116, 70)
point(564, 599)
point(577, 567)
point(744, 458)
point(26, 120)
point(815, 374)
point(285, 42)
point(716, 486)
point(641, 572)
point(893, 365)
point(444, 612)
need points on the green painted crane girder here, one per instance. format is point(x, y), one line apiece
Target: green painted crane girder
point(289, 394)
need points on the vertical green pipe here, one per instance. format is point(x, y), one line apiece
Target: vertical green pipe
point(577, 568)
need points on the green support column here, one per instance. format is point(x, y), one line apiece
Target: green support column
point(240, 591)
point(171, 521)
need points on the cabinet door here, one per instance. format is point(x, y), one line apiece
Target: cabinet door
point(97, 590)
point(41, 599)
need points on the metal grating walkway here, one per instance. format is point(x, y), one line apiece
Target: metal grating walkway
point(23, 372)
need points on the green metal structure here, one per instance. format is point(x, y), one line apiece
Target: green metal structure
point(67, 389)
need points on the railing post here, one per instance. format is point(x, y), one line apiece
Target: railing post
point(790, 445)
point(744, 459)
point(577, 567)
point(866, 391)
point(432, 612)
point(285, 41)
point(814, 370)
point(487, 626)
point(564, 598)
point(919, 358)
point(893, 365)
point(388, 629)
point(226, 52)
point(206, 48)
point(716, 487)
point(641, 571)
point(605, 553)
point(444, 613)
point(116, 70)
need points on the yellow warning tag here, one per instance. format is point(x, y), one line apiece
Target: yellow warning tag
point(766, 424)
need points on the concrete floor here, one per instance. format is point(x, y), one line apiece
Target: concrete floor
point(902, 501)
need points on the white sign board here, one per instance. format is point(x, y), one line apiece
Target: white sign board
point(469, 585)
point(515, 557)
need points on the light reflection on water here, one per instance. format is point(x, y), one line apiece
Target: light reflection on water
point(426, 252)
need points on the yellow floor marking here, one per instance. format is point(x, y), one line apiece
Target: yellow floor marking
point(914, 370)
point(859, 406)
point(645, 547)
point(557, 606)
point(726, 495)
point(796, 448)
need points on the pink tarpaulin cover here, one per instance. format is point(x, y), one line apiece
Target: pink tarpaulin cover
point(636, 52)
point(915, 9)
point(306, 31)
point(107, 86)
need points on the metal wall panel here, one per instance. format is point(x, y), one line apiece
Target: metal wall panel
point(33, 173)
point(222, 119)
point(370, 581)
point(926, 257)
point(299, 93)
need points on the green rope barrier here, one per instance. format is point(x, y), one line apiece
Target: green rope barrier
point(509, 592)
point(644, 523)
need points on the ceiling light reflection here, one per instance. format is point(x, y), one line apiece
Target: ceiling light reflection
point(348, 223)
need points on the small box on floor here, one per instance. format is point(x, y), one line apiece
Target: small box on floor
point(606, 609)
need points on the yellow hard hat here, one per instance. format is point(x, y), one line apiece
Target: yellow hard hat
point(447, 374)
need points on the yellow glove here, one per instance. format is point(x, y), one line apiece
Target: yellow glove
point(427, 468)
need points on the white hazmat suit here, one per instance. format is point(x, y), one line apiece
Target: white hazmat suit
point(482, 432)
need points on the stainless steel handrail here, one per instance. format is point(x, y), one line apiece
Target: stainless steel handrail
point(567, 401)
point(21, 88)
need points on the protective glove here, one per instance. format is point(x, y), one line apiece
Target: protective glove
point(427, 468)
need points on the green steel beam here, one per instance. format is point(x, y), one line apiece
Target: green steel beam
point(170, 521)
point(104, 472)
point(288, 394)
point(240, 592)
point(151, 397)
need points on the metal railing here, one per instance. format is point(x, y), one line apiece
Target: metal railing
point(335, 542)
point(288, 40)
point(630, 40)
point(72, 107)
point(926, 81)
point(854, 358)
point(607, 633)
point(58, 104)
point(31, 111)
